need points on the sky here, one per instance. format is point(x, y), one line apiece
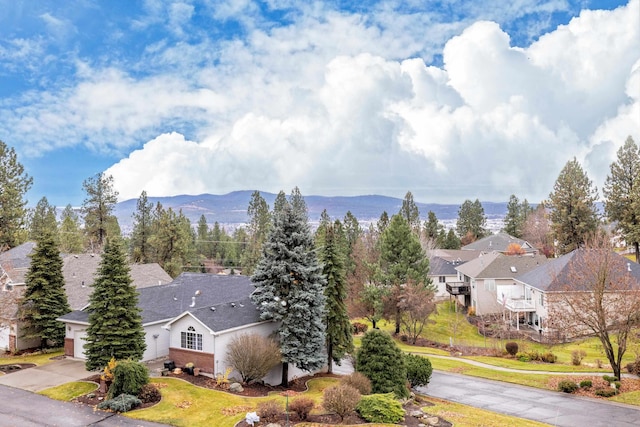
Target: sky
point(448, 99)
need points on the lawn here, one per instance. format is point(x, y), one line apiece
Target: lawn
point(69, 391)
point(37, 359)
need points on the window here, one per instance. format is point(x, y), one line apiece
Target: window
point(190, 339)
point(490, 285)
point(442, 279)
point(541, 299)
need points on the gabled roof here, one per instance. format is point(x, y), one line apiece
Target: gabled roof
point(555, 275)
point(457, 255)
point(441, 267)
point(498, 242)
point(195, 293)
point(499, 266)
point(16, 261)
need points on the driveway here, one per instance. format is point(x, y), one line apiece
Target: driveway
point(551, 407)
point(50, 375)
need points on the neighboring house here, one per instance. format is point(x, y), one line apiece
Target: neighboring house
point(192, 319)
point(79, 273)
point(532, 296)
point(485, 283)
point(499, 243)
point(443, 272)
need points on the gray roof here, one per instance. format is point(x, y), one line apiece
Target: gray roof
point(196, 293)
point(79, 274)
point(16, 261)
point(442, 267)
point(556, 275)
point(457, 255)
point(496, 265)
point(498, 242)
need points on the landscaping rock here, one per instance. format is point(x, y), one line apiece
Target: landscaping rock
point(416, 414)
point(432, 421)
point(236, 388)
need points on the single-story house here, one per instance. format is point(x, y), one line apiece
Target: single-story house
point(192, 319)
point(78, 271)
point(485, 283)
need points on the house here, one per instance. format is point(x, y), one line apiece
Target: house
point(192, 319)
point(534, 294)
point(443, 272)
point(78, 271)
point(500, 242)
point(485, 283)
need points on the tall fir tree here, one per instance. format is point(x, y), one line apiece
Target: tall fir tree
point(472, 222)
point(402, 260)
point(141, 250)
point(410, 212)
point(43, 219)
point(513, 218)
point(115, 323)
point(70, 234)
point(257, 230)
point(290, 289)
point(332, 254)
point(98, 207)
point(14, 184)
point(622, 194)
point(574, 217)
point(45, 299)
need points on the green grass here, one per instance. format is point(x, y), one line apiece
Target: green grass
point(38, 359)
point(69, 391)
point(630, 398)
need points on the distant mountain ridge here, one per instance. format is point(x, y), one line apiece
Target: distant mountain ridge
point(231, 208)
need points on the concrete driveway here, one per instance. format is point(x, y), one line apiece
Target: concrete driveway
point(50, 375)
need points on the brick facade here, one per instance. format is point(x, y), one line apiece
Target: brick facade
point(12, 343)
point(181, 356)
point(69, 349)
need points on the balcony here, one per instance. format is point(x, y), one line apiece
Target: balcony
point(459, 288)
point(519, 305)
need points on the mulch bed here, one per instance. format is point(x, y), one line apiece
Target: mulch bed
point(96, 397)
point(15, 367)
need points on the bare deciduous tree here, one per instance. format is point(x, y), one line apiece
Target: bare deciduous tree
point(253, 356)
point(598, 293)
point(416, 304)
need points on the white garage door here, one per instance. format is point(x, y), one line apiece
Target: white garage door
point(4, 338)
point(79, 339)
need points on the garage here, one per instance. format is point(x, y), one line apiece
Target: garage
point(79, 339)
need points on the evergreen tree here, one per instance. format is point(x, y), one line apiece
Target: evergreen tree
point(14, 184)
point(410, 212)
point(433, 230)
point(141, 250)
point(290, 290)
point(173, 241)
point(339, 339)
point(512, 220)
point(622, 193)
point(472, 222)
point(98, 207)
point(573, 215)
point(70, 234)
point(402, 260)
point(204, 244)
point(380, 360)
point(383, 223)
point(45, 299)
point(43, 219)
point(115, 324)
point(451, 241)
point(259, 223)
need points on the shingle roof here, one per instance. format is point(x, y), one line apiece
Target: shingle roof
point(457, 255)
point(499, 266)
point(498, 242)
point(555, 276)
point(16, 261)
point(196, 293)
point(441, 267)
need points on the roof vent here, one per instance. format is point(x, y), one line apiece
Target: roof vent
point(193, 302)
point(198, 292)
point(212, 308)
point(628, 266)
point(514, 269)
point(233, 304)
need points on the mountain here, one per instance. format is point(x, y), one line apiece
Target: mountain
point(231, 209)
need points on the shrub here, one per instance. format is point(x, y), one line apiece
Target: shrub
point(634, 367)
point(341, 399)
point(404, 338)
point(577, 356)
point(534, 355)
point(253, 356)
point(567, 386)
point(359, 328)
point(523, 357)
point(301, 406)
point(471, 311)
point(380, 360)
point(549, 357)
point(122, 403)
point(586, 384)
point(609, 378)
point(512, 348)
point(617, 384)
point(128, 378)
point(269, 411)
point(358, 381)
point(418, 370)
point(380, 408)
point(107, 373)
point(607, 392)
point(149, 393)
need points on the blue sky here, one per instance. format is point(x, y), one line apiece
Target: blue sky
point(449, 99)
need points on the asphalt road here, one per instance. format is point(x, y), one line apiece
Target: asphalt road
point(22, 408)
point(551, 407)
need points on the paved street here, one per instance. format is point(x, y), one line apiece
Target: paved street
point(558, 409)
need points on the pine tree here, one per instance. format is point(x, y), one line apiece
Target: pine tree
point(433, 230)
point(14, 184)
point(472, 222)
point(410, 212)
point(622, 194)
point(512, 220)
point(115, 324)
point(332, 256)
point(402, 260)
point(451, 241)
point(70, 234)
point(45, 299)
point(141, 250)
point(573, 215)
point(259, 223)
point(43, 219)
point(290, 289)
point(98, 206)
